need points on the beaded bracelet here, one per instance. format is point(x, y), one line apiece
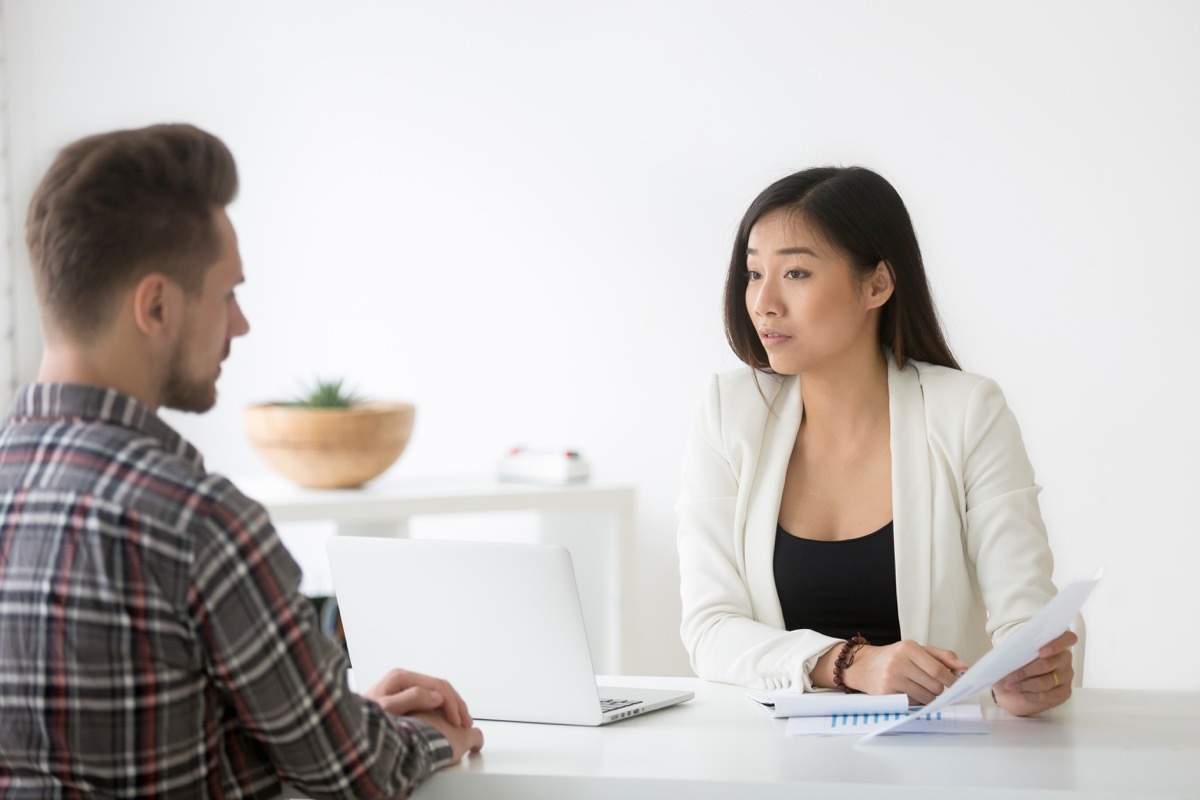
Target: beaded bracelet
point(844, 659)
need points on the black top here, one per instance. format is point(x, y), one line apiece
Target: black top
point(839, 588)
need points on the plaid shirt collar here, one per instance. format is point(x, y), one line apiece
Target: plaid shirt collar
point(77, 401)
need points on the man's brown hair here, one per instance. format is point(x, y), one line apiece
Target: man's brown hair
point(117, 206)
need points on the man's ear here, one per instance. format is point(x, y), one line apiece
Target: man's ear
point(156, 304)
point(880, 285)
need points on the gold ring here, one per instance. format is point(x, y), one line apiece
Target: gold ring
point(1055, 674)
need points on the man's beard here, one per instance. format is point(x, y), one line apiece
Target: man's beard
point(184, 393)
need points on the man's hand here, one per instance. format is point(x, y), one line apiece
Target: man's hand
point(462, 740)
point(1041, 684)
point(920, 672)
point(402, 694)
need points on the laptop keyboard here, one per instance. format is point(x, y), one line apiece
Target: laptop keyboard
point(609, 704)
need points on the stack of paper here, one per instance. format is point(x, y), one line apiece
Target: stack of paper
point(822, 704)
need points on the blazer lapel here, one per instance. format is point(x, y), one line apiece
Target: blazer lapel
point(912, 500)
point(779, 428)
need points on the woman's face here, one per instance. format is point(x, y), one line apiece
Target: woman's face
point(811, 309)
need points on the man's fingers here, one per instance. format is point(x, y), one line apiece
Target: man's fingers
point(396, 681)
point(456, 713)
point(399, 683)
point(456, 707)
point(465, 741)
point(412, 700)
point(418, 698)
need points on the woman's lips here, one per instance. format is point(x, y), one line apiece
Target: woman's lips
point(771, 338)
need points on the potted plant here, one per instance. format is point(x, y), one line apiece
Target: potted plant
point(329, 437)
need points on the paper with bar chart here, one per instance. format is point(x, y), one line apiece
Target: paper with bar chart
point(960, 718)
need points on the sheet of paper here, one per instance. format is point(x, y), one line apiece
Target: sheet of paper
point(1013, 653)
point(960, 718)
point(822, 704)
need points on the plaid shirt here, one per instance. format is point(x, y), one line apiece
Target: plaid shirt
point(153, 640)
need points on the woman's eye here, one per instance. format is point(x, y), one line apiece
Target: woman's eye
point(795, 273)
point(752, 275)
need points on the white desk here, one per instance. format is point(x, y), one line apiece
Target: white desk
point(1101, 744)
point(594, 522)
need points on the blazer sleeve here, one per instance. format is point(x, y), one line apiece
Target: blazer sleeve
point(721, 630)
point(1005, 536)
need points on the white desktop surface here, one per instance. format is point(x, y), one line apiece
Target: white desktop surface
point(1102, 744)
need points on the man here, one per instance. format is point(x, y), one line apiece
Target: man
point(153, 641)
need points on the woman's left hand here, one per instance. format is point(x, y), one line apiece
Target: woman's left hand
point(1043, 683)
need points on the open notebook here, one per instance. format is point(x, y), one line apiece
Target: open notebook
point(501, 622)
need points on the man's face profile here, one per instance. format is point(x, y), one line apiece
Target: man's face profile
point(212, 319)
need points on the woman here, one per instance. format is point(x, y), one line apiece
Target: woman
point(857, 513)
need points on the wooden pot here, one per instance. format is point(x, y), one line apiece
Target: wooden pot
point(330, 448)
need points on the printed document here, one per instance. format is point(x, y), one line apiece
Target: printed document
point(1011, 654)
point(823, 704)
point(960, 718)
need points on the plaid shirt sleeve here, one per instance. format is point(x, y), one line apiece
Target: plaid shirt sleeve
point(285, 680)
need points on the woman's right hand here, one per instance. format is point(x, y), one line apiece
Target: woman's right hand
point(920, 672)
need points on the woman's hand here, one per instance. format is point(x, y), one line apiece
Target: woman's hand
point(1043, 683)
point(920, 672)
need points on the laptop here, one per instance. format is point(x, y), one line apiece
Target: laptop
point(501, 622)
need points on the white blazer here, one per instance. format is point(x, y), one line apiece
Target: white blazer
point(972, 558)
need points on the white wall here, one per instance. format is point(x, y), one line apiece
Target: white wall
point(517, 215)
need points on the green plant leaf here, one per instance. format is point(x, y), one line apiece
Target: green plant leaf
point(327, 394)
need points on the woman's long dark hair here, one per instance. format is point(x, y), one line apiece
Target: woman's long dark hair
point(859, 212)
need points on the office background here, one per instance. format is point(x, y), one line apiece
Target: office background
point(518, 216)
